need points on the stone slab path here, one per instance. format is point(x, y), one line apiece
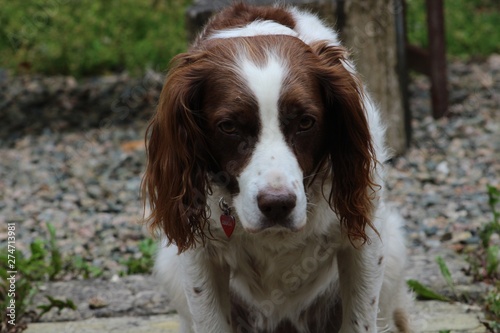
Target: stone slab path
point(131, 304)
point(430, 316)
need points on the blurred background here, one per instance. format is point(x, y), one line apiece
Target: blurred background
point(84, 38)
point(98, 37)
point(79, 80)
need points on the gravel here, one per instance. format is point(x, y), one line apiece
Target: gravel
point(440, 184)
point(80, 169)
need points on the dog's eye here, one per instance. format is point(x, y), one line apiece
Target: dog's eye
point(228, 127)
point(306, 122)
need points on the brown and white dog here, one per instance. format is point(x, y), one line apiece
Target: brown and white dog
point(264, 125)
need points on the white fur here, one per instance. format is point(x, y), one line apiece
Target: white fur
point(294, 269)
point(308, 28)
point(257, 28)
point(276, 168)
point(311, 29)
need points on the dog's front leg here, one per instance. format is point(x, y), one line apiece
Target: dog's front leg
point(361, 276)
point(206, 285)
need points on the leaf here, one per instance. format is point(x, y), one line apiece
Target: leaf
point(424, 292)
point(492, 259)
point(487, 231)
point(445, 272)
point(38, 252)
point(56, 257)
point(147, 247)
point(493, 199)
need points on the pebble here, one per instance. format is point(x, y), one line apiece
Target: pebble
point(440, 183)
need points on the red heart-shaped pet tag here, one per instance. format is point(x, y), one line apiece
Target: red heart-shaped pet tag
point(228, 223)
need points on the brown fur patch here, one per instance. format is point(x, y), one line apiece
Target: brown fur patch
point(352, 154)
point(401, 321)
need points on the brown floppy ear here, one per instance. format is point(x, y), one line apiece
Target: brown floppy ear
point(175, 181)
point(349, 143)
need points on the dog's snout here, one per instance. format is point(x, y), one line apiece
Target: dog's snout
point(276, 205)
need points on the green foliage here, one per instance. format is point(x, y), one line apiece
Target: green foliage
point(445, 272)
point(493, 301)
point(44, 263)
point(484, 262)
point(86, 37)
point(494, 225)
point(88, 271)
point(23, 296)
point(425, 293)
point(492, 259)
point(55, 254)
point(56, 303)
point(144, 262)
point(471, 26)
point(493, 308)
point(491, 255)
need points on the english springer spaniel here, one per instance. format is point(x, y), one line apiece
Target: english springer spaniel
point(265, 176)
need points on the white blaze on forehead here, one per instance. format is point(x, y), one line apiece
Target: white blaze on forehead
point(265, 82)
point(273, 165)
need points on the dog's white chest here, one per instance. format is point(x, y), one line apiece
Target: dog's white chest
point(273, 280)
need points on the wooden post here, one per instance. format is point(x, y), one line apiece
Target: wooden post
point(431, 61)
point(437, 56)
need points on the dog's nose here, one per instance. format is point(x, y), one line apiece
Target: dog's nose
point(276, 205)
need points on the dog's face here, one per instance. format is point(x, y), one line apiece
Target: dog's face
point(264, 118)
point(265, 132)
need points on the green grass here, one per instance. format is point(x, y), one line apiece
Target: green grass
point(143, 262)
point(95, 37)
point(472, 26)
point(87, 37)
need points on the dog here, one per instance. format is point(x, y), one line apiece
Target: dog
point(265, 177)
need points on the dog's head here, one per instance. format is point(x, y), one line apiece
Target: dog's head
point(264, 118)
